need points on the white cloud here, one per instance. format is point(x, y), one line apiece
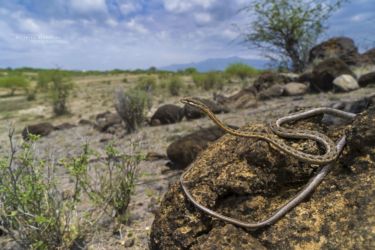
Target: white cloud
point(179, 6)
point(29, 25)
point(360, 17)
point(87, 6)
point(202, 17)
point(133, 25)
point(230, 34)
point(111, 22)
point(129, 7)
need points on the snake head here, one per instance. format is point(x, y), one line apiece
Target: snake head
point(188, 100)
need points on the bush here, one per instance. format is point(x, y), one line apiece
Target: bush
point(32, 210)
point(190, 71)
point(13, 83)
point(117, 181)
point(241, 71)
point(209, 80)
point(131, 107)
point(44, 78)
point(146, 83)
point(174, 85)
point(37, 215)
point(59, 92)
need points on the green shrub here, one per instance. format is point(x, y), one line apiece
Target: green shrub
point(13, 83)
point(174, 85)
point(118, 180)
point(146, 83)
point(44, 78)
point(59, 92)
point(125, 80)
point(32, 211)
point(199, 79)
point(190, 71)
point(163, 84)
point(241, 70)
point(31, 95)
point(131, 107)
point(209, 80)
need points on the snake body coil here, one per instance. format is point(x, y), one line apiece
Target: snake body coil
point(274, 138)
point(332, 152)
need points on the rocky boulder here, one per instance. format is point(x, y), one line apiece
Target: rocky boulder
point(367, 79)
point(192, 112)
point(325, 72)
point(355, 107)
point(167, 114)
point(339, 47)
point(305, 77)
point(245, 98)
point(295, 88)
point(267, 80)
point(64, 126)
point(183, 151)
point(369, 56)
point(105, 122)
point(275, 90)
point(345, 83)
point(41, 129)
point(249, 180)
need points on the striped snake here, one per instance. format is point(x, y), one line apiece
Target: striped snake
point(332, 152)
point(280, 132)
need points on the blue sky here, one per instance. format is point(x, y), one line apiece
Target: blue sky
point(129, 34)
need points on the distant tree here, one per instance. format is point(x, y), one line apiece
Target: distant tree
point(14, 82)
point(287, 29)
point(152, 69)
point(191, 71)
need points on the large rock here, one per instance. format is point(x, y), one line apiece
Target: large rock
point(192, 112)
point(325, 72)
point(295, 88)
point(367, 79)
point(345, 83)
point(275, 90)
point(369, 55)
point(338, 47)
point(245, 98)
point(249, 180)
point(41, 129)
point(183, 151)
point(356, 107)
point(107, 122)
point(64, 126)
point(306, 77)
point(167, 114)
point(269, 79)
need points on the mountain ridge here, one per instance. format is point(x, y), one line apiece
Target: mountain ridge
point(213, 64)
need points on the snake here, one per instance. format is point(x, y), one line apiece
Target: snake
point(279, 132)
point(332, 152)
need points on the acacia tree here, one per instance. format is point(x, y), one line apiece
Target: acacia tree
point(287, 29)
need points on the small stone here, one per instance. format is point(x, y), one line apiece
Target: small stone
point(345, 83)
point(129, 242)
